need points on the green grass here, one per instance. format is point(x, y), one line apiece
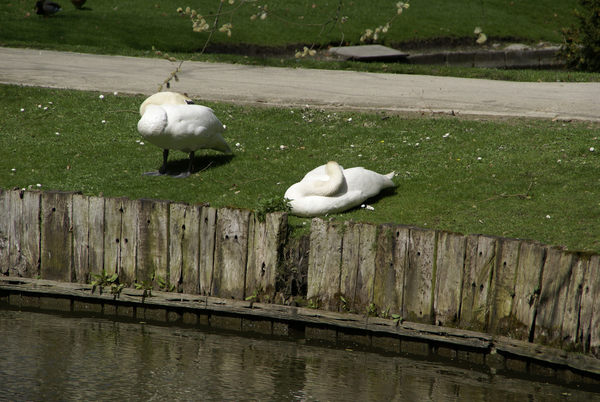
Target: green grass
point(135, 28)
point(441, 182)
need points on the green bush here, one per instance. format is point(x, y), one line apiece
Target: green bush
point(582, 44)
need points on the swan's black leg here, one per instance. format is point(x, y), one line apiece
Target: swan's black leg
point(163, 170)
point(190, 168)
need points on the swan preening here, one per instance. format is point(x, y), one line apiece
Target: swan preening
point(166, 98)
point(332, 189)
point(170, 122)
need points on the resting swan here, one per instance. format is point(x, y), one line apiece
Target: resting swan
point(331, 189)
point(185, 128)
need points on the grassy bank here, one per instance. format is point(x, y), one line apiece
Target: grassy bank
point(135, 28)
point(517, 178)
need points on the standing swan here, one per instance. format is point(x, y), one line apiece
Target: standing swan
point(185, 128)
point(331, 189)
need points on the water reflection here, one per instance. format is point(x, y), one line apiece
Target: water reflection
point(46, 357)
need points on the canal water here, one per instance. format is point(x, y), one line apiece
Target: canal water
point(48, 357)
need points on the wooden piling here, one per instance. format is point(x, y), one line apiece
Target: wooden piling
point(480, 257)
point(95, 235)
point(419, 282)
point(357, 276)
point(231, 253)
point(113, 224)
point(81, 231)
point(129, 240)
point(451, 249)
point(324, 263)
point(389, 273)
point(532, 256)
point(266, 243)
point(503, 283)
point(556, 278)
point(56, 236)
point(208, 224)
point(5, 219)
point(589, 328)
point(184, 247)
point(152, 241)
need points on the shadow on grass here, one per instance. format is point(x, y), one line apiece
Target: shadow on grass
point(201, 163)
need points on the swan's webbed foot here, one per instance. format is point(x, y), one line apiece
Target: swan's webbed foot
point(181, 175)
point(155, 174)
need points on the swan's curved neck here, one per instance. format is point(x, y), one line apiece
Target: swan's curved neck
point(332, 185)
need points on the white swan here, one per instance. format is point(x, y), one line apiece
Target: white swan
point(165, 98)
point(332, 189)
point(185, 128)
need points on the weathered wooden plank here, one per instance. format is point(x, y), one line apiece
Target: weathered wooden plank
point(17, 263)
point(532, 256)
point(360, 239)
point(152, 241)
point(177, 229)
point(30, 232)
point(324, 263)
point(556, 278)
point(231, 253)
point(191, 246)
point(389, 277)
point(129, 235)
point(589, 328)
point(419, 278)
point(208, 226)
point(267, 242)
point(95, 235)
point(451, 249)
point(4, 231)
point(479, 266)
point(113, 222)
point(503, 282)
point(81, 246)
point(571, 319)
point(349, 269)
point(56, 236)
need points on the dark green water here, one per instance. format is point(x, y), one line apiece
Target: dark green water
point(46, 357)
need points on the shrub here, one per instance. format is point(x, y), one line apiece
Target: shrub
point(581, 50)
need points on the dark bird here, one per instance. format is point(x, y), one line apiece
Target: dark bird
point(46, 8)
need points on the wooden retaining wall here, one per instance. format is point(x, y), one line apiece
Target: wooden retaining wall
point(522, 289)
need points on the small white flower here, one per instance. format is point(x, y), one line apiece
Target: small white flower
point(57, 133)
point(559, 161)
point(224, 127)
point(359, 155)
point(351, 146)
point(547, 216)
point(14, 170)
point(292, 112)
point(49, 103)
point(115, 93)
point(350, 119)
point(268, 147)
point(426, 138)
point(282, 147)
point(592, 149)
point(101, 96)
point(45, 107)
point(417, 144)
point(141, 143)
point(446, 135)
point(39, 185)
point(362, 206)
point(137, 140)
point(22, 110)
point(479, 158)
point(370, 208)
point(237, 144)
point(103, 121)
